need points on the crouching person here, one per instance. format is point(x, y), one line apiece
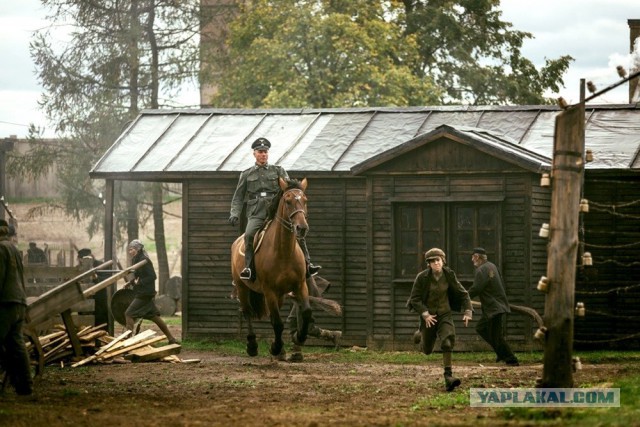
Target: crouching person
point(436, 292)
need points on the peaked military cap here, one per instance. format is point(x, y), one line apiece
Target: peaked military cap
point(261, 144)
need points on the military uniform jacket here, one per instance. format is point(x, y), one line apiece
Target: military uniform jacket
point(458, 296)
point(257, 186)
point(487, 285)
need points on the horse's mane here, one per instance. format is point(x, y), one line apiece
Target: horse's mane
point(273, 205)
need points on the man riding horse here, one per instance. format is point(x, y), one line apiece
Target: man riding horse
point(256, 187)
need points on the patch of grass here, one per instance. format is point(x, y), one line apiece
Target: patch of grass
point(626, 415)
point(173, 320)
point(240, 383)
point(68, 392)
point(443, 401)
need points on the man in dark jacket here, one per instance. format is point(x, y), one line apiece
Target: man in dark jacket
point(144, 288)
point(13, 313)
point(256, 187)
point(487, 285)
point(435, 294)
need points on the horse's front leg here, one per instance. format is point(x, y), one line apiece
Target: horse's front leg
point(276, 323)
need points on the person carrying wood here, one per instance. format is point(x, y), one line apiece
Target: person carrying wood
point(13, 315)
point(144, 288)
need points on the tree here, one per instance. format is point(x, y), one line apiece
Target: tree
point(338, 53)
point(116, 58)
point(320, 54)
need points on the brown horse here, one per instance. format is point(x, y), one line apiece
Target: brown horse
point(280, 268)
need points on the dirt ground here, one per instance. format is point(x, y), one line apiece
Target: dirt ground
point(233, 390)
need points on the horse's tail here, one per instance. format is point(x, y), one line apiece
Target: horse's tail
point(257, 305)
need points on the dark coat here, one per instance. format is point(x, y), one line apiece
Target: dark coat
point(11, 273)
point(487, 285)
point(458, 296)
point(146, 276)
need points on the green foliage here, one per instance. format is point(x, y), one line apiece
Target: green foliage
point(112, 60)
point(320, 54)
point(324, 53)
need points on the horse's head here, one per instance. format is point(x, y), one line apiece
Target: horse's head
point(293, 206)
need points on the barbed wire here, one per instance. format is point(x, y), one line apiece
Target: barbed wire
point(626, 245)
point(615, 316)
point(608, 291)
point(615, 261)
point(621, 205)
point(626, 337)
point(614, 212)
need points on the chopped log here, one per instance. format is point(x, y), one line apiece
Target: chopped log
point(153, 353)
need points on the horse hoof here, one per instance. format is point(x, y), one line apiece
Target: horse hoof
point(252, 352)
point(295, 357)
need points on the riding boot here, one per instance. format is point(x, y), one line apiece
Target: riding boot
point(450, 381)
point(249, 271)
point(333, 336)
point(311, 269)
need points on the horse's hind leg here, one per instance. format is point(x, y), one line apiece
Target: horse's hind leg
point(252, 342)
point(303, 331)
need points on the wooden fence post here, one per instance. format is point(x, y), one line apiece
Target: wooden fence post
point(568, 168)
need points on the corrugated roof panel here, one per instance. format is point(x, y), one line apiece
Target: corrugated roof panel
point(219, 137)
point(128, 150)
point(450, 118)
point(511, 123)
point(613, 137)
point(282, 130)
point(170, 144)
point(336, 137)
point(539, 138)
point(296, 159)
point(385, 131)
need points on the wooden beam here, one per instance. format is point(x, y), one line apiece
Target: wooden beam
point(153, 353)
point(113, 279)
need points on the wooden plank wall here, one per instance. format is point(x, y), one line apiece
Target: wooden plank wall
point(337, 241)
point(393, 324)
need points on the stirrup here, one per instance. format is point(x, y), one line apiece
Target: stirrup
point(246, 273)
point(313, 269)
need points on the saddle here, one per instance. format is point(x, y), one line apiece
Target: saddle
point(257, 240)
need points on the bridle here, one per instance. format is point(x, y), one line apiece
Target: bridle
point(299, 208)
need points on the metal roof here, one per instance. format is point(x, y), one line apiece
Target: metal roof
point(192, 142)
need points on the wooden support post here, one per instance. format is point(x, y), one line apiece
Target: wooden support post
point(568, 167)
point(71, 332)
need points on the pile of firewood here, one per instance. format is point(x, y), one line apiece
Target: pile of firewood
point(99, 347)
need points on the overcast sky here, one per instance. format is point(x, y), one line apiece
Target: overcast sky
point(594, 32)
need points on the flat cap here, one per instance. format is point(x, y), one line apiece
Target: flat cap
point(84, 252)
point(261, 144)
point(480, 251)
